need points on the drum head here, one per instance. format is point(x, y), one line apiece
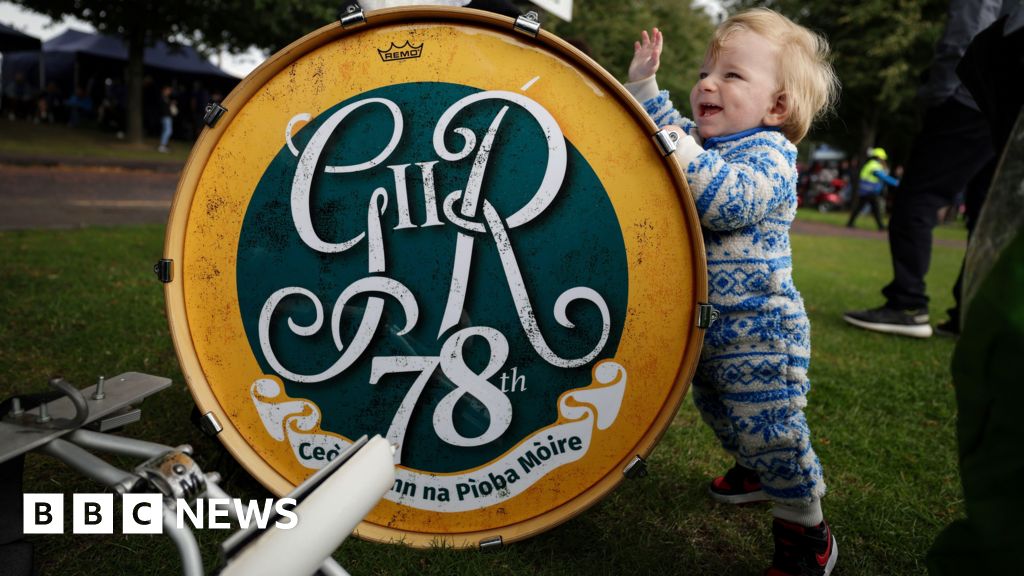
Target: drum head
point(439, 229)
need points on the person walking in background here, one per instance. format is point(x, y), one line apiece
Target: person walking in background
point(873, 179)
point(952, 152)
point(79, 107)
point(763, 81)
point(168, 110)
point(18, 98)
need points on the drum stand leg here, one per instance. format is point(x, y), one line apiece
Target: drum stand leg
point(185, 540)
point(98, 469)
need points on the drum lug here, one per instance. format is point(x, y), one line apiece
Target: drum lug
point(352, 15)
point(666, 141)
point(213, 113)
point(637, 468)
point(706, 315)
point(491, 544)
point(210, 425)
point(528, 23)
point(164, 270)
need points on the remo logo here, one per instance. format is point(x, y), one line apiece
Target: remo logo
point(479, 254)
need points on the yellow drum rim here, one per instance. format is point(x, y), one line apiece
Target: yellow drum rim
point(175, 294)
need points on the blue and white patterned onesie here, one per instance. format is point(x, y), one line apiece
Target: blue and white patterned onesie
point(751, 382)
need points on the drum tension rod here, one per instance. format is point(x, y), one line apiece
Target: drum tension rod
point(210, 425)
point(351, 15)
point(635, 469)
point(213, 113)
point(706, 315)
point(666, 141)
point(164, 270)
point(491, 544)
point(529, 23)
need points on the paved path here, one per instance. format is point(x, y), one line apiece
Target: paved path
point(61, 195)
point(823, 229)
point(78, 196)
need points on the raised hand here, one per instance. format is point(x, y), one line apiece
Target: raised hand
point(646, 55)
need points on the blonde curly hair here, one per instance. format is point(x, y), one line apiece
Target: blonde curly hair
point(806, 75)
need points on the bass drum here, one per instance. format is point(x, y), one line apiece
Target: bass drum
point(441, 228)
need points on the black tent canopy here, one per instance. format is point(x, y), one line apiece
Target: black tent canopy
point(91, 67)
point(171, 58)
point(12, 40)
point(73, 57)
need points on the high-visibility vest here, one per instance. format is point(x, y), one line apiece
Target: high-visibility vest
point(870, 185)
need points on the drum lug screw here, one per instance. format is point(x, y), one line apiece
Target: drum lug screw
point(666, 141)
point(352, 16)
point(164, 270)
point(636, 469)
point(210, 425)
point(491, 544)
point(213, 113)
point(529, 23)
point(706, 315)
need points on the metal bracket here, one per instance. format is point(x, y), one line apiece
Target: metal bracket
point(706, 315)
point(118, 419)
point(491, 544)
point(164, 270)
point(174, 474)
point(213, 113)
point(119, 391)
point(210, 425)
point(666, 141)
point(636, 469)
point(43, 420)
point(528, 23)
point(352, 15)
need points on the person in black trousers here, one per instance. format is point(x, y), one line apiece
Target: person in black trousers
point(953, 152)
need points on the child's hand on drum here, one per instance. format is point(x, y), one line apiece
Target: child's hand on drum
point(680, 134)
point(646, 55)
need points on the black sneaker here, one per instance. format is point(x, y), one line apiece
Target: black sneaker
point(802, 551)
point(739, 486)
point(949, 328)
point(912, 323)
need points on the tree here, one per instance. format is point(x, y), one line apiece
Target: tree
point(608, 29)
point(881, 49)
point(206, 24)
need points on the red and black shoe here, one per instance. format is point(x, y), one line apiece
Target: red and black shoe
point(802, 551)
point(740, 485)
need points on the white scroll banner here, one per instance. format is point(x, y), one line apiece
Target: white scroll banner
point(580, 410)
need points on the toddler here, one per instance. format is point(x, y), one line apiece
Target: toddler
point(763, 81)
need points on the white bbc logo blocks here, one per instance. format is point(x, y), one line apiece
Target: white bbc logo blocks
point(43, 514)
point(142, 514)
point(93, 514)
point(146, 513)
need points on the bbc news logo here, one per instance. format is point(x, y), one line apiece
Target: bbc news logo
point(143, 513)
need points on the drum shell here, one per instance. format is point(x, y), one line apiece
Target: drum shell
point(667, 273)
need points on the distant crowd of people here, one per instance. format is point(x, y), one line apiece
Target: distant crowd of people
point(169, 109)
point(835, 185)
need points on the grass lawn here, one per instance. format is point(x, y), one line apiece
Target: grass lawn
point(85, 302)
point(22, 138)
